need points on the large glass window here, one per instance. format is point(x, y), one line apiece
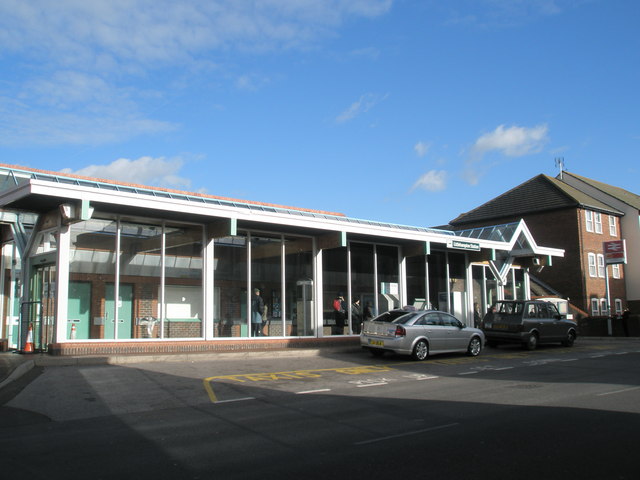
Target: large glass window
point(334, 267)
point(266, 285)
point(388, 278)
point(362, 284)
point(299, 318)
point(458, 286)
point(183, 282)
point(140, 276)
point(438, 281)
point(92, 275)
point(417, 281)
point(148, 295)
point(230, 281)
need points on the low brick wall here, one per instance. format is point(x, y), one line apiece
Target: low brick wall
point(169, 347)
point(598, 327)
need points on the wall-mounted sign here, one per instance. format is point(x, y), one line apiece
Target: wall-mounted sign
point(615, 251)
point(463, 245)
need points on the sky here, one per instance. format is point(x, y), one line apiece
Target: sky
point(402, 111)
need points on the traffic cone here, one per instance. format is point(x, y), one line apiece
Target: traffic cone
point(73, 331)
point(28, 345)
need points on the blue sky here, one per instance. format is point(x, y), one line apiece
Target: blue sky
point(405, 111)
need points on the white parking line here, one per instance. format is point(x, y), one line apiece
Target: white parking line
point(406, 434)
point(618, 391)
point(314, 391)
point(372, 385)
point(235, 400)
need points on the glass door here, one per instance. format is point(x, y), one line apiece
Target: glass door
point(40, 312)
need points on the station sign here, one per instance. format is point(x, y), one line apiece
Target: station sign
point(463, 245)
point(615, 251)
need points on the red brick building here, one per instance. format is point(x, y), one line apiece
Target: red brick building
point(567, 218)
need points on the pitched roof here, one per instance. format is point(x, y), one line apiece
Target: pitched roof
point(618, 193)
point(539, 194)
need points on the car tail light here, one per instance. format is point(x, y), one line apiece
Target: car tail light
point(400, 331)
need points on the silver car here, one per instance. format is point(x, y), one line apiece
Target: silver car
point(420, 334)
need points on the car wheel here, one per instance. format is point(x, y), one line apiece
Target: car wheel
point(475, 347)
point(376, 353)
point(420, 351)
point(571, 337)
point(532, 342)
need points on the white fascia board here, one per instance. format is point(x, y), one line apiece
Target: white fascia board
point(15, 193)
point(207, 210)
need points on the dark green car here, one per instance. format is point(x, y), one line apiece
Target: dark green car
point(529, 322)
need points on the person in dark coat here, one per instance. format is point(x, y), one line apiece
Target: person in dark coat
point(339, 315)
point(257, 307)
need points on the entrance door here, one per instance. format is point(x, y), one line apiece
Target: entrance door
point(125, 312)
point(42, 308)
point(79, 312)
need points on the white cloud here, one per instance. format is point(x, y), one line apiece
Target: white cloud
point(512, 141)
point(432, 181)
point(73, 61)
point(421, 148)
point(157, 172)
point(365, 103)
point(110, 32)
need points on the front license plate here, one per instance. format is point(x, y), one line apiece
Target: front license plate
point(378, 343)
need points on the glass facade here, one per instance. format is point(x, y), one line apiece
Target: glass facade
point(135, 278)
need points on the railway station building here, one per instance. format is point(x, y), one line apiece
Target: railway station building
point(94, 266)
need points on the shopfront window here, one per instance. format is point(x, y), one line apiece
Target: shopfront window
point(92, 276)
point(362, 284)
point(438, 281)
point(299, 318)
point(10, 298)
point(230, 292)
point(140, 281)
point(417, 281)
point(266, 285)
point(183, 303)
point(388, 278)
point(458, 287)
point(334, 267)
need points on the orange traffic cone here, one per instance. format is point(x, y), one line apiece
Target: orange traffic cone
point(28, 345)
point(73, 331)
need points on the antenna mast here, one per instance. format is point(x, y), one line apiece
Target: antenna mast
point(560, 165)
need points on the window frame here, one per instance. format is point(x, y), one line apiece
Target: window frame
point(588, 216)
point(618, 306)
point(615, 270)
point(593, 266)
point(595, 307)
point(597, 220)
point(602, 266)
point(613, 227)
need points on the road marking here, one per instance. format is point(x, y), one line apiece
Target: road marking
point(406, 434)
point(371, 385)
point(617, 391)
point(314, 391)
point(469, 373)
point(242, 399)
